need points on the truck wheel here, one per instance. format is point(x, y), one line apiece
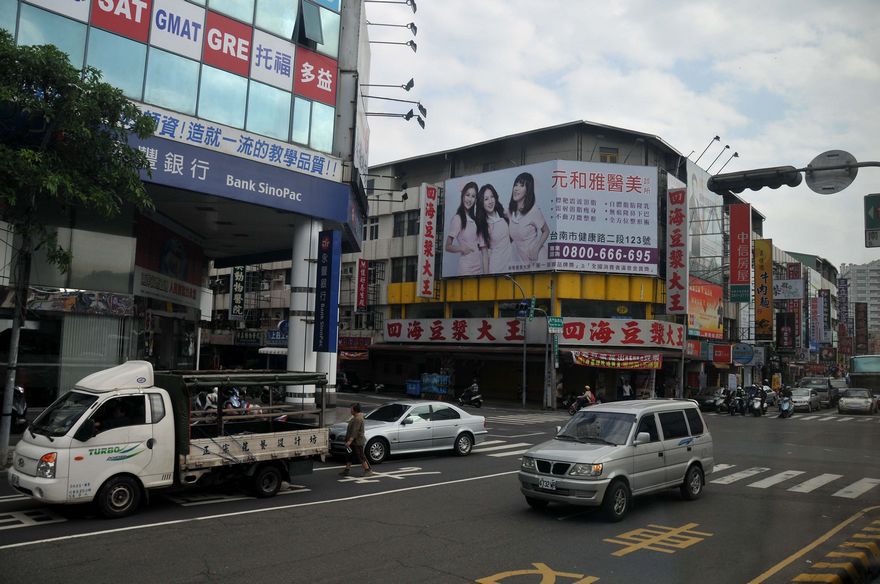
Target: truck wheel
point(266, 482)
point(376, 450)
point(120, 496)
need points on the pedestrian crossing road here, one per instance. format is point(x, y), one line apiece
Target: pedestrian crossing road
point(525, 419)
point(804, 417)
point(785, 478)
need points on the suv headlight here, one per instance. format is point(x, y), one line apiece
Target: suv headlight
point(528, 464)
point(46, 466)
point(586, 470)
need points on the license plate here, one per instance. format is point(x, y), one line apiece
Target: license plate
point(13, 480)
point(547, 484)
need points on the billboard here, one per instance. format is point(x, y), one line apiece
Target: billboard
point(706, 225)
point(706, 310)
point(327, 292)
point(843, 304)
point(428, 195)
point(788, 289)
point(555, 215)
point(764, 289)
point(677, 284)
point(740, 251)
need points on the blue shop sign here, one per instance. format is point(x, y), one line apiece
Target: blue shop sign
point(276, 338)
point(196, 169)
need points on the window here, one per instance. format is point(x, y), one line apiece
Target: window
point(120, 412)
point(240, 9)
point(694, 421)
point(321, 134)
point(277, 16)
point(311, 21)
point(268, 111)
point(371, 228)
point(222, 97)
point(157, 408)
point(403, 269)
point(330, 32)
point(406, 223)
point(8, 12)
point(673, 425)
point(302, 115)
point(38, 27)
point(649, 424)
point(607, 154)
point(444, 413)
point(419, 415)
point(172, 81)
point(121, 61)
point(399, 224)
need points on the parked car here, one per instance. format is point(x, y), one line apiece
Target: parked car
point(805, 398)
point(838, 386)
point(414, 426)
point(821, 385)
point(610, 452)
point(856, 400)
point(707, 398)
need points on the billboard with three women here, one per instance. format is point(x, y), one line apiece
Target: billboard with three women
point(557, 215)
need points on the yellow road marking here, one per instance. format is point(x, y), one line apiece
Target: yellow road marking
point(548, 575)
point(817, 578)
point(872, 547)
point(861, 556)
point(658, 538)
point(848, 566)
point(804, 551)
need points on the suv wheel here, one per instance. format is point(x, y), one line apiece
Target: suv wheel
point(692, 487)
point(617, 501)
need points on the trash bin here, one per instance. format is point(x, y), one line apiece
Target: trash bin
point(414, 387)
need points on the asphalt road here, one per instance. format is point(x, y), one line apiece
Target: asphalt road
point(775, 509)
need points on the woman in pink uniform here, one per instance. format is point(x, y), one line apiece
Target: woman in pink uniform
point(462, 238)
point(528, 228)
point(493, 232)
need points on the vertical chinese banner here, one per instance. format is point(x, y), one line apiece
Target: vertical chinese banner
point(327, 292)
point(843, 304)
point(764, 289)
point(740, 251)
point(861, 328)
point(677, 283)
point(363, 280)
point(793, 272)
point(236, 306)
point(825, 315)
point(427, 232)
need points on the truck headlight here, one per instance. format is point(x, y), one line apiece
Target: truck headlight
point(528, 464)
point(46, 465)
point(586, 470)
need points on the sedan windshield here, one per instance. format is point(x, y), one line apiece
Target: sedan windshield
point(387, 413)
point(58, 418)
point(862, 393)
point(800, 392)
point(593, 426)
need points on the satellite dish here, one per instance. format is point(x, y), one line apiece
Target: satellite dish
point(824, 178)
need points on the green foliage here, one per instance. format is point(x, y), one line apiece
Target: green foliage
point(63, 142)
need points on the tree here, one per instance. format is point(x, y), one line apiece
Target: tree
point(63, 145)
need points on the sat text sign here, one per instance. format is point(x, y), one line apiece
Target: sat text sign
point(130, 18)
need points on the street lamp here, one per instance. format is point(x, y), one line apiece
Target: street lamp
point(525, 329)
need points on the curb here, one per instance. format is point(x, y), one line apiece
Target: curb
point(856, 560)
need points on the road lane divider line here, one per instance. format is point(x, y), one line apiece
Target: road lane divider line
point(810, 547)
point(775, 479)
point(253, 511)
point(857, 489)
point(815, 482)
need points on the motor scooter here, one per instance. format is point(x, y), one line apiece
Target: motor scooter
point(472, 396)
point(755, 406)
point(19, 410)
point(786, 407)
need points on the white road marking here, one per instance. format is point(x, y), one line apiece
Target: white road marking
point(738, 476)
point(487, 442)
point(502, 447)
point(826, 418)
point(5, 498)
point(776, 479)
point(28, 518)
point(857, 489)
point(514, 453)
point(814, 483)
point(720, 467)
point(806, 418)
point(844, 419)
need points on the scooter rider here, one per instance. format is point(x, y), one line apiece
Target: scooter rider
point(587, 398)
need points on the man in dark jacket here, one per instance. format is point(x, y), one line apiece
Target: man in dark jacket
point(355, 440)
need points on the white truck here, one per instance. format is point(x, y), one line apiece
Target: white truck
point(121, 433)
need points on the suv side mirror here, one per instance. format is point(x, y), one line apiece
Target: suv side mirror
point(642, 438)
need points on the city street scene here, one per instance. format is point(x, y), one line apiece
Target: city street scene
point(500, 292)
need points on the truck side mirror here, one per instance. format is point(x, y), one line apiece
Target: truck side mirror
point(642, 438)
point(87, 431)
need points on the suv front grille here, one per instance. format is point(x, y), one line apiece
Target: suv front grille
point(556, 468)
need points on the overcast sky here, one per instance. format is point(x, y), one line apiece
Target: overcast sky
point(779, 81)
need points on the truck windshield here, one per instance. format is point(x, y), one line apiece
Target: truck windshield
point(592, 426)
point(57, 419)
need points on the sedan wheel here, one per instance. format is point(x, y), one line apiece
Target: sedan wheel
point(463, 444)
point(376, 450)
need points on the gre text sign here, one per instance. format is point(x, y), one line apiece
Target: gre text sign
point(872, 220)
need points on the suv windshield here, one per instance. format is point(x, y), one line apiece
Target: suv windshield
point(58, 418)
point(815, 383)
point(387, 413)
point(593, 426)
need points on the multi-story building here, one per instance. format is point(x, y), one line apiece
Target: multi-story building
point(253, 155)
point(864, 289)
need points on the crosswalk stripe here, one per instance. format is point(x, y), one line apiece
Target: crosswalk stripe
point(738, 476)
point(514, 453)
point(776, 479)
point(487, 442)
point(858, 488)
point(502, 447)
point(844, 419)
point(826, 418)
point(806, 418)
point(815, 482)
point(720, 467)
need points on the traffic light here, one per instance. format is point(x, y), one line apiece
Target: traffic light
point(756, 179)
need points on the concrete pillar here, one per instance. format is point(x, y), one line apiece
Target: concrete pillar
point(300, 355)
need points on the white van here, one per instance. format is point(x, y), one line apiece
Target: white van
point(609, 452)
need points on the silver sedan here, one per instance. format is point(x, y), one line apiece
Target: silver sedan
point(856, 400)
point(414, 426)
point(805, 398)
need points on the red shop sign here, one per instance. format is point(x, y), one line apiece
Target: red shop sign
point(130, 18)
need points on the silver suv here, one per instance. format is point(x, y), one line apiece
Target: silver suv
point(608, 453)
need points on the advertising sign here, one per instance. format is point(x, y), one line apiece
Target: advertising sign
point(315, 77)
point(843, 305)
point(764, 289)
point(227, 44)
point(788, 289)
point(618, 360)
point(363, 282)
point(742, 353)
point(327, 292)
point(785, 331)
point(499, 331)
point(239, 143)
point(129, 18)
point(236, 305)
point(872, 220)
point(272, 60)
point(825, 314)
point(722, 353)
point(677, 256)
point(78, 9)
point(178, 26)
point(740, 251)
point(427, 237)
point(196, 169)
point(706, 310)
point(861, 326)
point(555, 215)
